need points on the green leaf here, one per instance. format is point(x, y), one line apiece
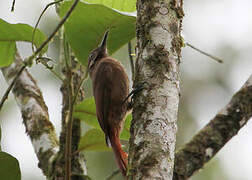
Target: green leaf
point(86, 26)
point(120, 5)
point(93, 140)
point(10, 33)
point(7, 52)
point(0, 138)
point(20, 32)
point(125, 135)
point(9, 167)
point(86, 111)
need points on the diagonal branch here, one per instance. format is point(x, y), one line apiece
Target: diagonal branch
point(29, 60)
point(215, 134)
point(35, 114)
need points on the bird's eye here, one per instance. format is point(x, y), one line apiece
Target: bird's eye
point(90, 56)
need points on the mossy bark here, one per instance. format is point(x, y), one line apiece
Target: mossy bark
point(154, 124)
point(34, 113)
point(78, 162)
point(209, 140)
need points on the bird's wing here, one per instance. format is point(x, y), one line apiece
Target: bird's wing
point(102, 93)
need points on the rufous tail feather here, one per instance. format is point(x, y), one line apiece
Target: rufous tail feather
point(120, 155)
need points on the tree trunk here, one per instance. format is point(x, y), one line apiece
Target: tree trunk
point(155, 109)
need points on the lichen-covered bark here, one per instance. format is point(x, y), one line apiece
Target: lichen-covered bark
point(78, 162)
point(34, 113)
point(153, 129)
point(205, 144)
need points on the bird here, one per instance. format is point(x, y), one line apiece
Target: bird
point(110, 85)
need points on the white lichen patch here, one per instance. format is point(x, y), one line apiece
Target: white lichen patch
point(9, 72)
point(28, 82)
point(242, 122)
point(156, 127)
point(223, 111)
point(209, 152)
point(161, 36)
point(43, 143)
point(147, 71)
point(166, 164)
point(31, 104)
point(32, 109)
point(138, 137)
point(249, 81)
point(163, 10)
point(161, 170)
point(172, 149)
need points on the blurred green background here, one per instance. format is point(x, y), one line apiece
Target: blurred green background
point(222, 28)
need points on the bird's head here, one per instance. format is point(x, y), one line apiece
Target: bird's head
point(98, 53)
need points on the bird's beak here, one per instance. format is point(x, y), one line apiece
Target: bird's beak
point(103, 44)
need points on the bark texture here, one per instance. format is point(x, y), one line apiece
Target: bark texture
point(40, 129)
point(78, 164)
point(35, 114)
point(153, 128)
point(215, 134)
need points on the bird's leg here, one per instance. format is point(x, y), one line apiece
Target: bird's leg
point(139, 87)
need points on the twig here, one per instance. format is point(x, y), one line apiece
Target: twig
point(206, 54)
point(55, 31)
point(114, 173)
point(72, 99)
point(78, 163)
point(5, 96)
point(79, 87)
point(13, 5)
point(68, 149)
point(69, 117)
point(50, 68)
point(66, 52)
point(35, 28)
point(28, 61)
point(131, 61)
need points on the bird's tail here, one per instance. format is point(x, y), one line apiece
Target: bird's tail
point(120, 155)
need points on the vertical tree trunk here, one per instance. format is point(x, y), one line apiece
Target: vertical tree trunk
point(153, 129)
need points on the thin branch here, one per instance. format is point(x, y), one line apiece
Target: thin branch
point(72, 99)
point(68, 149)
point(206, 54)
point(79, 86)
point(6, 94)
point(114, 173)
point(69, 117)
point(131, 61)
point(28, 61)
point(43, 61)
point(209, 140)
point(13, 5)
point(35, 28)
point(54, 32)
point(77, 159)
